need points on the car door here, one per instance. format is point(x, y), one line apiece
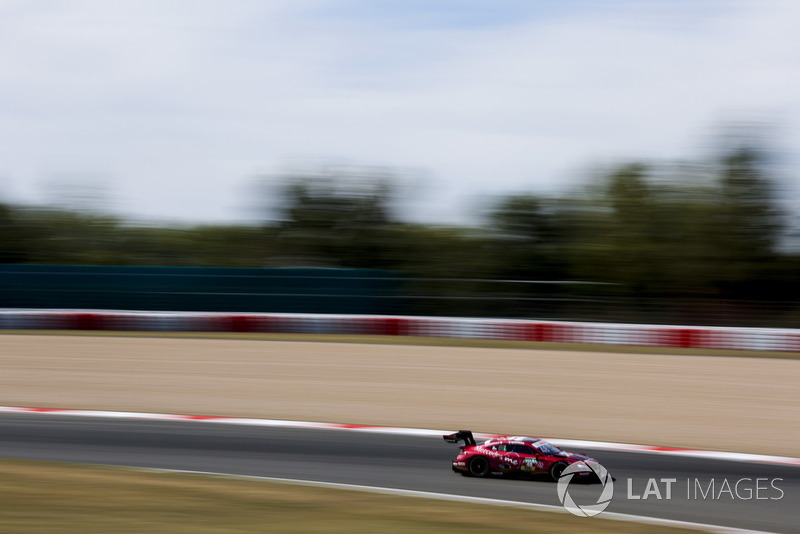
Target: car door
point(503, 458)
point(529, 459)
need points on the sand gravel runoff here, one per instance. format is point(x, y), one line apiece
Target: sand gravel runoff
point(721, 403)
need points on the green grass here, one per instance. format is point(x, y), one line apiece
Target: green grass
point(54, 498)
point(419, 341)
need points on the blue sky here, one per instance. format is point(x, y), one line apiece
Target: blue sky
point(170, 110)
point(443, 14)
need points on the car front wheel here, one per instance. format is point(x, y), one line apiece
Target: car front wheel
point(556, 469)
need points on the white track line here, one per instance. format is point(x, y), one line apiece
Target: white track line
point(423, 432)
point(714, 529)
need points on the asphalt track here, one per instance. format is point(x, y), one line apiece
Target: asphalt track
point(407, 462)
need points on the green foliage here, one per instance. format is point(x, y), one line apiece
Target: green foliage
point(336, 221)
point(15, 237)
point(672, 244)
point(699, 240)
point(48, 236)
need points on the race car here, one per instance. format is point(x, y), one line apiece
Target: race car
point(515, 455)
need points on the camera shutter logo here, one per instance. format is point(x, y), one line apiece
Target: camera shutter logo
point(602, 502)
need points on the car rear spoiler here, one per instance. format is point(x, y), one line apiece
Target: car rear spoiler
point(465, 435)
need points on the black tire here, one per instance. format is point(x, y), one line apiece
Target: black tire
point(556, 469)
point(479, 466)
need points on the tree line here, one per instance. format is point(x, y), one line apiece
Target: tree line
point(702, 243)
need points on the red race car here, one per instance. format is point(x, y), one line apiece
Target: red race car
point(514, 455)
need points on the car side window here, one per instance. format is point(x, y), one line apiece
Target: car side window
point(522, 449)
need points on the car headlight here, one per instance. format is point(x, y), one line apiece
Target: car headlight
point(581, 466)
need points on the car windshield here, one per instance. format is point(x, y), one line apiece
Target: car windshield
point(547, 448)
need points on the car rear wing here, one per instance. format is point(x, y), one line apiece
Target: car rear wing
point(465, 435)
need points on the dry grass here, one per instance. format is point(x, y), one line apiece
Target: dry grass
point(69, 499)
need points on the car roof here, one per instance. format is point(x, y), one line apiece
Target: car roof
point(518, 440)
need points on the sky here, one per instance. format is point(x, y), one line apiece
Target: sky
point(172, 110)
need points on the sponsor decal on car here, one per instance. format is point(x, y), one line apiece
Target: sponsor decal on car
point(532, 464)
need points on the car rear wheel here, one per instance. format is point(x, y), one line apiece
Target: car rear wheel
point(479, 466)
point(556, 469)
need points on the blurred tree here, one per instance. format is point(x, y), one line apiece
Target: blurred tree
point(748, 224)
point(66, 237)
point(635, 237)
point(16, 239)
point(51, 236)
point(338, 218)
point(528, 236)
point(448, 269)
point(687, 239)
point(641, 243)
point(526, 245)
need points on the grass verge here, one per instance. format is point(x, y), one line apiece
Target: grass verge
point(418, 341)
point(61, 498)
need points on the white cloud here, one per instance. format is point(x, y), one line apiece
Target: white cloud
point(182, 102)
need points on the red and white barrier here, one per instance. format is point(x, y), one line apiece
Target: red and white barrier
point(761, 339)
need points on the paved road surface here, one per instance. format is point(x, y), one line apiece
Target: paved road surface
point(414, 463)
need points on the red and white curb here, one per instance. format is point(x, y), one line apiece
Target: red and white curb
point(402, 431)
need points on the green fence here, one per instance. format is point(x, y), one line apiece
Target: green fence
point(199, 289)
